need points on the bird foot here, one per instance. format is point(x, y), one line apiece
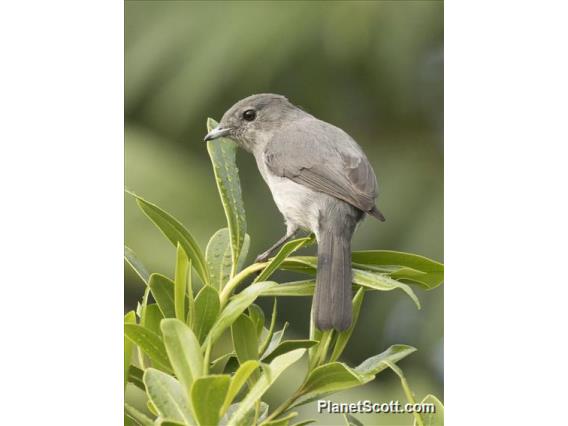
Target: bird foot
point(263, 257)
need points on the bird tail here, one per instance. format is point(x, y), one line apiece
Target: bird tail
point(375, 212)
point(332, 299)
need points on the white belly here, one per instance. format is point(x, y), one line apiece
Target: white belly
point(298, 204)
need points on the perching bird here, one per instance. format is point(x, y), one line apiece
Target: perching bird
point(320, 180)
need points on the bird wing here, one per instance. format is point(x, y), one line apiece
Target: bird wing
point(324, 158)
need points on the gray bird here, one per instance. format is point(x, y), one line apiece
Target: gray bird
point(320, 180)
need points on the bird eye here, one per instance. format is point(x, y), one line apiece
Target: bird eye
point(249, 114)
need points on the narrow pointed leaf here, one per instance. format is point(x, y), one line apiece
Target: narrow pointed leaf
point(373, 280)
point(180, 282)
point(256, 315)
point(352, 420)
point(162, 289)
point(276, 339)
point(248, 418)
point(295, 288)
point(152, 318)
point(168, 422)
point(218, 365)
point(437, 417)
point(287, 346)
point(223, 157)
point(138, 416)
point(174, 231)
point(135, 376)
point(237, 382)
point(183, 350)
point(168, 396)
point(236, 307)
point(244, 253)
point(245, 340)
point(267, 340)
point(412, 267)
point(129, 318)
point(287, 249)
point(305, 422)
point(136, 265)
point(375, 365)
point(219, 258)
point(344, 336)
point(150, 343)
point(208, 394)
point(269, 376)
point(336, 376)
point(207, 308)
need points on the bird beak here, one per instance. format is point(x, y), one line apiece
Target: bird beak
point(217, 132)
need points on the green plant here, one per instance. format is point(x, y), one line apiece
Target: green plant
point(169, 343)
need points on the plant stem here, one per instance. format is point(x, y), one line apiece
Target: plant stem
point(237, 279)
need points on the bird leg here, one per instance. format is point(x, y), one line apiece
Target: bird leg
point(263, 257)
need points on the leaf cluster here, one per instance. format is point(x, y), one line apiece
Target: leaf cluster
point(170, 339)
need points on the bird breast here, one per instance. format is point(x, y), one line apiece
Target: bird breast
point(299, 205)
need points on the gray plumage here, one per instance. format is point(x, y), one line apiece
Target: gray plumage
point(321, 181)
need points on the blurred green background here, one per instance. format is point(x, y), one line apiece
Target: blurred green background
point(374, 69)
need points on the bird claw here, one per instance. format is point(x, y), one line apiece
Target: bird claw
point(261, 258)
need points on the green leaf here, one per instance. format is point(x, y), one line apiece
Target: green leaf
point(295, 288)
point(283, 253)
point(248, 418)
point(152, 318)
point(129, 318)
point(268, 377)
point(150, 343)
point(174, 231)
point(437, 417)
point(218, 365)
point(168, 396)
point(136, 265)
point(135, 376)
point(276, 339)
point(351, 420)
point(373, 280)
point(223, 157)
point(344, 336)
point(406, 388)
point(144, 275)
point(180, 282)
point(245, 342)
point(183, 350)
point(333, 377)
point(162, 289)
point(207, 308)
point(139, 417)
point(375, 365)
point(411, 267)
point(256, 315)
point(304, 423)
point(237, 382)
point(337, 376)
point(268, 338)
point(244, 253)
point(287, 346)
point(282, 421)
point(236, 307)
point(208, 394)
point(219, 258)
point(167, 422)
